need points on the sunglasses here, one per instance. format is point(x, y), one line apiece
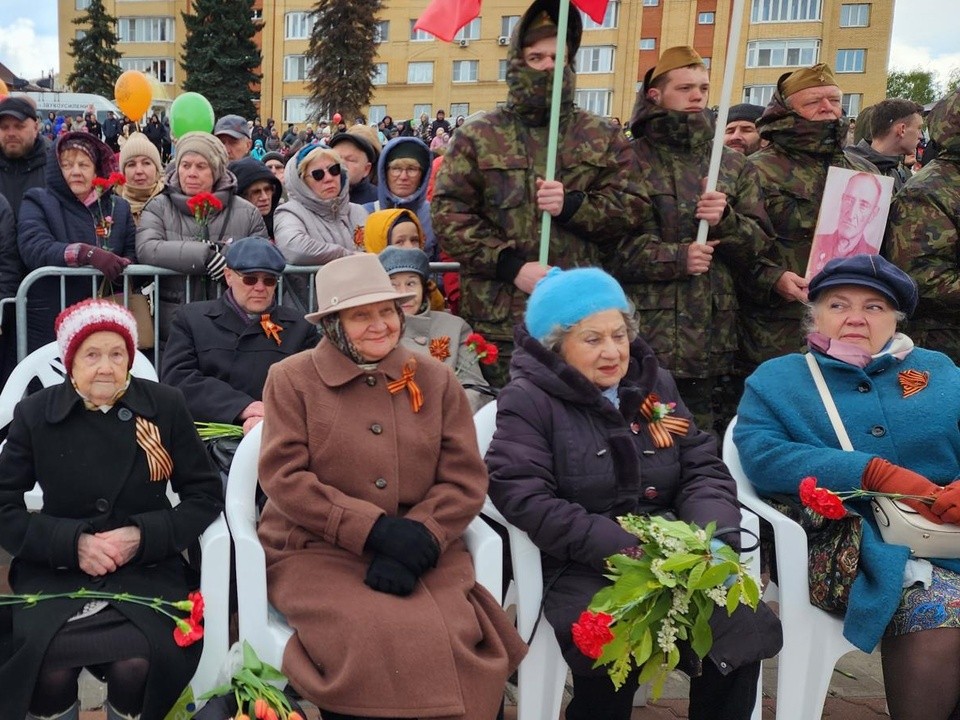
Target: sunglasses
point(319, 173)
point(251, 280)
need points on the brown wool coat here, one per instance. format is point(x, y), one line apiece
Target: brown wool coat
point(339, 451)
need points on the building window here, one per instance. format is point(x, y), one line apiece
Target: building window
point(296, 110)
point(785, 10)
point(160, 68)
point(596, 101)
point(502, 70)
point(419, 35)
point(651, 3)
point(609, 19)
point(851, 103)
point(507, 24)
point(470, 31)
point(381, 31)
point(595, 59)
point(145, 29)
point(420, 72)
point(422, 109)
point(295, 68)
point(256, 15)
point(758, 94)
point(850, 61)
point(377, 113)
point(379, 74)
point(707, 62)
point(465, 70)
point(782, 53)
point(648, 43)
point(298, 25)
point(705, 18)
point(82, 4)
point(855, 15)
point(458, 109)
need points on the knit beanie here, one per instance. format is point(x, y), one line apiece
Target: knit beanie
point(407, 148)
point(565, 297)
point(376, 231)
point(745, 112)
point(77, 322)
point(208, 147)
point(273, 155)
point(397, 260)
point(139, 145)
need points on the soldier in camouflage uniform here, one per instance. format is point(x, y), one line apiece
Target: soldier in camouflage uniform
point(683, 291)
point(490, 193)
point(923, 234)
point(807, 131)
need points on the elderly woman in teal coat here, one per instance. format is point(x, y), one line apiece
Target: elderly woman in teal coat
point(900, 406)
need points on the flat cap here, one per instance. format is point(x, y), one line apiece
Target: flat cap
point(255, 254)
point(870, 271)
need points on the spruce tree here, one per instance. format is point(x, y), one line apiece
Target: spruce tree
point(219, 56)
point(96, 60)
point(341, 54)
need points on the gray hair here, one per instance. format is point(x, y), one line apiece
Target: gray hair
point(553, 339)
point(808, 323)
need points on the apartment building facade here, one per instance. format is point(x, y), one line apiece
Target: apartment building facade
point(416, 73)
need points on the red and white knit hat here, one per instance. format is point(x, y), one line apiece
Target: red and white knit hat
point(77, 322)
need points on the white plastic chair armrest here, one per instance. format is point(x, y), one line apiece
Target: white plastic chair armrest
point(215, 587)
point(486, 549)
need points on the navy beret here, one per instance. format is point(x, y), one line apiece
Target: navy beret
point(253, 254)
point(870, 271)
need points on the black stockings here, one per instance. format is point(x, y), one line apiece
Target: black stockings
point(921, 674)
point(56, 688)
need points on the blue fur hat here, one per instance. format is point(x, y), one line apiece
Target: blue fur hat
point(565, 297)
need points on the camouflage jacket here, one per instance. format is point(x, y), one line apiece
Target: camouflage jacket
point(690, 321)
point(923, 234)
point(792, 171)
point(484, 204)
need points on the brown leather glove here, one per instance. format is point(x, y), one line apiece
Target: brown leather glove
point(883, 476)
point(947, 505)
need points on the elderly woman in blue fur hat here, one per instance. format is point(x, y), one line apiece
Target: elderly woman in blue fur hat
point(574, 449)
point(900, 407)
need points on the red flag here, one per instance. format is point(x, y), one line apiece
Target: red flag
point(444, 18)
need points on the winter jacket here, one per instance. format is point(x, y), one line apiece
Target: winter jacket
point(565, 463)
point(95, 477)
point(792, 171)
point(889, 165)
point(689, 320)
point(783, 435)
point(923, 234)
point(17, 175)
point(484, 204)
point(248, 171)
point(51, 219)
point(170, 237)
point(220, 362)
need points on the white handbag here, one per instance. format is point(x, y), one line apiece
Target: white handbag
point(899, 523)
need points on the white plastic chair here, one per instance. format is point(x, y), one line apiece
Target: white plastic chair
point(44, 364)
point(260, 623)
point(812, 638)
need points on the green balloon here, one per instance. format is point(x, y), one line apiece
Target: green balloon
point(190, 112)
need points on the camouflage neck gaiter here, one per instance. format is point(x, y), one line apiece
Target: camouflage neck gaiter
point(529, 92)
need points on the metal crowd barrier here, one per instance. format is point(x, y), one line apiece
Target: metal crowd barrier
point(143, 271)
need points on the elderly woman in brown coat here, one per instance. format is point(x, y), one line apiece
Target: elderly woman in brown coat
point(371, 467)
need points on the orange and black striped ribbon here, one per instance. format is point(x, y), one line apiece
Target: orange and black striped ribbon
point(913, 381)
point(660, 430)
point(406, 381)
point(158, 459)
point(270, 328)
point(440, 348)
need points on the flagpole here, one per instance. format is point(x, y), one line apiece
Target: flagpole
point(730, 67)
point(554, 126)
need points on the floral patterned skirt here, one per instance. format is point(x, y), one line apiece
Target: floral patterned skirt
point(927, 608)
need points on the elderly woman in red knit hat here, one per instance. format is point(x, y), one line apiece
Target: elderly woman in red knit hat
point(102, 446)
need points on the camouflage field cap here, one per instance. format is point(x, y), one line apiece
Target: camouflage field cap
point(542, 26)
point(675, 57)
point(816, 76)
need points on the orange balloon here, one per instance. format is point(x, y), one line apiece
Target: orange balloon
point(133, 94)
point(4, 90)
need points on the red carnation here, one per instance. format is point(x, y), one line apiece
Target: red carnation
point(475, 339)
point(101, 183)
point(491, 353)
point(820, 500)
point(196, 613)
point(187, 632)
point(117, 178)
point(591, 632)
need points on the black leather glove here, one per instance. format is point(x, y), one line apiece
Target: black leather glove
point(216, 265)
point(407, 541)
point(103, 260)
point(387, 575)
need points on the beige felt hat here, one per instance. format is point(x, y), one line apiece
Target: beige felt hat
point(352, 281)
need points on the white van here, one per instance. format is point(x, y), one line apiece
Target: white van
point(72, 104)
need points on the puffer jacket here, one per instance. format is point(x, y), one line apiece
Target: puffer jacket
point(689, 320)
point(565, 463)
point(923, 234)
point(793, 171)
point(168, 236)
point(484, 204)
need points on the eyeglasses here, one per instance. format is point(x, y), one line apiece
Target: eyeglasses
point(398, 171)
point(319, 173)
point(251, 280)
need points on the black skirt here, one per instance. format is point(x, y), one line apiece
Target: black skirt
point(97, 639)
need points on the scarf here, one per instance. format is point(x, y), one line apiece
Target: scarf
point(899, 346)
point(139, 197)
